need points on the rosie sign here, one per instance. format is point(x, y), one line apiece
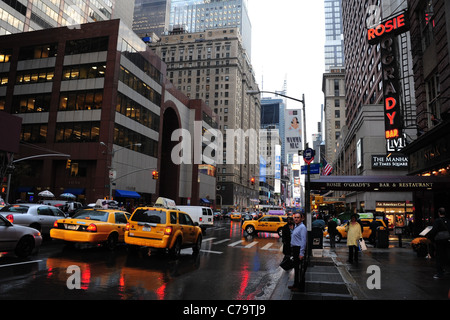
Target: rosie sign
point(393, 26)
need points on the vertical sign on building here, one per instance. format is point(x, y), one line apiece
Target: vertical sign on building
point(292, 131)
point(385, 34)
point(277, 168)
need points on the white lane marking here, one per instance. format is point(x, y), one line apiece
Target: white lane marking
point(221, 241)
point(251, 244)
point(19, 263)
point(235, 243)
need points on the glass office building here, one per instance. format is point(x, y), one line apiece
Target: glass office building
point(201, 15)
point(334, 40)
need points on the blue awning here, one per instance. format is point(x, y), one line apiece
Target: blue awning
point(75, 191)
point(204, 200)
point(127, 194)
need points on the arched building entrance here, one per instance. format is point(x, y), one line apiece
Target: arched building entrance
point(169, 172)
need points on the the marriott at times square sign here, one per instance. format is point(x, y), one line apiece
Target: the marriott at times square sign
point(385, 33)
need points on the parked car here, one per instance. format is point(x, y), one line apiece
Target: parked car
point(38, 216)
point(267, 223)
point(23, 241)
point(96, 226)
point(163, 228)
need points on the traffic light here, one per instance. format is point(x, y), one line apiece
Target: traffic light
point(252, 180)
point(68, 163)
point(155, 175)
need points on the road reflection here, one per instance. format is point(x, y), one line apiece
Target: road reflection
point(121, 275)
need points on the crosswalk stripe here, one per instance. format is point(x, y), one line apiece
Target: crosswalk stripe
point(251, 244)
point(235, 243)
point(221, 241)
point(267, 246)
point(208, 239)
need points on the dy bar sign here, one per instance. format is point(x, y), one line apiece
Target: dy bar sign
point(385, 34)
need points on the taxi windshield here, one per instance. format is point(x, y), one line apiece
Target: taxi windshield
point(92, 215)
point(150, 216)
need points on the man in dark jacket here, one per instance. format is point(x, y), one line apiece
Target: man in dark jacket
point(286, 237)
point(332, 231)
point(440, 224)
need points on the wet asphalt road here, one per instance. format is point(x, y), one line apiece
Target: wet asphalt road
point(230, 266)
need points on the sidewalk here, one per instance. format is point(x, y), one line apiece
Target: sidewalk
point(402, 276)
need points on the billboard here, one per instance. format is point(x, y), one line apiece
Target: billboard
point(293, 131)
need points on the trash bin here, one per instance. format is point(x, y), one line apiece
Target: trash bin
point(317, 238)
point(382, 237)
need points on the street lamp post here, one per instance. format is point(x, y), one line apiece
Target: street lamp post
point(307, 185)
point(111, 173)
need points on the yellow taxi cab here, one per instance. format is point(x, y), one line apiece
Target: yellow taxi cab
point(96, 226)
point(235, 216)
point(365, 222)
point(163, 227)
point(267, 223)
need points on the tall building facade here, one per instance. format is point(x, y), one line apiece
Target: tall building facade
point(333, 87)
point(151, 16)
point(98, 94)
point(201, 15)
point(334, 39)
point(212, 66)
point(429, 154)
point(21, 16)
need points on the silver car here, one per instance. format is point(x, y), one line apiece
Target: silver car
point(38, 216)
point(18, 239)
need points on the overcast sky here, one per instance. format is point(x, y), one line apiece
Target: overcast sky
point(288, 43)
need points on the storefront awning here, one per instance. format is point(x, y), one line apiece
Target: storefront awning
point(75, 191)
point(127, 194)
point(380, 183)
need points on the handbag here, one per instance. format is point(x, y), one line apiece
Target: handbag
point(287, 264)
point(362, 245)
point(442, 235)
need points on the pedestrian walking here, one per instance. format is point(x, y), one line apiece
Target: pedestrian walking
point(286, 237)
point(332, 231)
point(298, 244)
point(440, 235)
point(354, 233)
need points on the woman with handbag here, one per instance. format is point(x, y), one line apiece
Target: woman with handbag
point(440, 234)
point(354, 233)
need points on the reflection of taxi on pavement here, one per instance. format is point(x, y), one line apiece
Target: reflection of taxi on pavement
point(365, 222)
point(97, 225)
point(267, 223)
point(163, 226)
point(235, 216)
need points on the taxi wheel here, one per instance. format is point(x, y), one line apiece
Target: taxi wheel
point(280, 232)
point(176, 249)
point(338, 237)
point(111, 243)
point(250, 229)
point(198, 245)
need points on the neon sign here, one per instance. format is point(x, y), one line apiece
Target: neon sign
point(385, 34)
point(393, 26)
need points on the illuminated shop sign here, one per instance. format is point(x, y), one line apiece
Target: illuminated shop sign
point(393, 27)
point(385, 34)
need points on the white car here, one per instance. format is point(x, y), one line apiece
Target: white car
point(18, 239)
point(38, 216)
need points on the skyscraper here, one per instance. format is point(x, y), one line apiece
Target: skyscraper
point(43, 14)
point(334, 41)
point(151, 16)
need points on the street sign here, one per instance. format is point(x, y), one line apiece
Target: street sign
point(314, 168)
point(308, 155)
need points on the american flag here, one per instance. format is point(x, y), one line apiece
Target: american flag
point(326, 168)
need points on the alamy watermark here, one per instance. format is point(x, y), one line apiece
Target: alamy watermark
point(207, 145)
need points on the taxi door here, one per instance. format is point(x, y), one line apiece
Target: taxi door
point(187, 227)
